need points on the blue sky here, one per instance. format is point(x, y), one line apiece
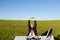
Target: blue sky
point(23, 9)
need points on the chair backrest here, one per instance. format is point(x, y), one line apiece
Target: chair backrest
point(49, 32)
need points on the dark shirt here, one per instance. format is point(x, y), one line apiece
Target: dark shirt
point(34, 28)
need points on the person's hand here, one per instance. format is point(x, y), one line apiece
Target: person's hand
point(32, 18)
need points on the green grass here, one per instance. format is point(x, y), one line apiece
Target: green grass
point(11, 28)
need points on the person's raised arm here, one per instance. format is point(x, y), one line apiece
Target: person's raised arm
point(35, 23)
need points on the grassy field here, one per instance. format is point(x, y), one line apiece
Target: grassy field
point(11, 28)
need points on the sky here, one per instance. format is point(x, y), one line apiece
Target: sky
point(23, 9)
